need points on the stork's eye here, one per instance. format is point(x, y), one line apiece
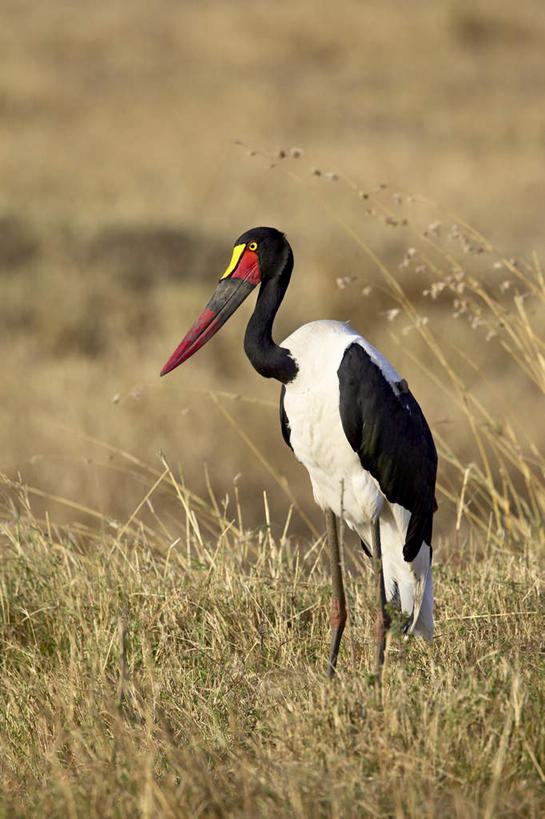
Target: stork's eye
point(252, 246)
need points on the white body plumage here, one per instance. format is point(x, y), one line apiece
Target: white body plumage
point(339, 481)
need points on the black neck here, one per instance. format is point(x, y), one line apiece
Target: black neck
point(270, 360)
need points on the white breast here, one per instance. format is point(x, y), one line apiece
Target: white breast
point(339, 482)
point(320, 345)
point(311, 403)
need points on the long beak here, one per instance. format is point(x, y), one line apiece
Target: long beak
point(231, 291)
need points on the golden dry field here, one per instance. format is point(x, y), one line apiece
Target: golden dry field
point(150, 661)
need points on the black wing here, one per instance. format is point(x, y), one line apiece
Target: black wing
point(393, 441)
point(285, 424)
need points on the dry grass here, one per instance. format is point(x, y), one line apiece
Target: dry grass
point(147, 677)
point(163, 626)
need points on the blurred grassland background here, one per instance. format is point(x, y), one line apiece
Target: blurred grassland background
point(122, 192)
point(162, 647)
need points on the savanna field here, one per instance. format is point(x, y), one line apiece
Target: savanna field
point(165, 590)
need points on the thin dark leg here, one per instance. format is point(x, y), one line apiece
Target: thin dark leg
point(338, 601)
point(382, 623)
point(402, 651)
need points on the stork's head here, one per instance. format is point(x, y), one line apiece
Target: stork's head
point(260, 255)
point(269, 246)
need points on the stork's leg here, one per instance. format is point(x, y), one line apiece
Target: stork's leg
point(338, 601)
point(382, 623)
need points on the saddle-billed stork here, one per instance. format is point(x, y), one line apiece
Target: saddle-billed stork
point(352, 421)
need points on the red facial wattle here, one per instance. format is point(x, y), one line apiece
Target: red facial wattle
point(247, 268)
